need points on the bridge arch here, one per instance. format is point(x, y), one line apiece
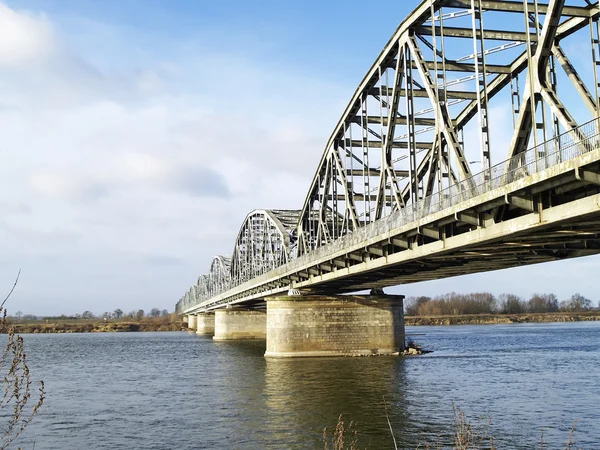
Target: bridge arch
point(420, 121)
point(219, 277)
point(192, 293)
point(202, 289)
point(266, 240)
point(185, 302)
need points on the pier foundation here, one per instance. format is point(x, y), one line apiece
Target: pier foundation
point(344, 325)
point(205, 323)
point(234, 323)
point(191, 322)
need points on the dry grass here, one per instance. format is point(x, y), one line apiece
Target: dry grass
point(465, 435)
point(344, 437)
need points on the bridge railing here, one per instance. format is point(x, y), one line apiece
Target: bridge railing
point(536, 159)
point(564, 147)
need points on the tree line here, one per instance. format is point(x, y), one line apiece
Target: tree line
point(118, 314)
point(486, 303)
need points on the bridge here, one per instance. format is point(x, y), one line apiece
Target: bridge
point(395, 198)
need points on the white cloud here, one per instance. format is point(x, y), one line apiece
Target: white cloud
point(127, 178)
point(25, 39)
point(66, 186)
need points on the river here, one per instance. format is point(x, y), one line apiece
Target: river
point(177, 390)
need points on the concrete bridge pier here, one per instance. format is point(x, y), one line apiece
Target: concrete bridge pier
point(343, 325)
point(238, 323)
point(205, 323)
point(191, 322)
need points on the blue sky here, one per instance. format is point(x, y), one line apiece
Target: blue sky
point(136, 135)
point(309, 35)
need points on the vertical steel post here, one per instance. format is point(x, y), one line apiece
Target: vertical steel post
point(481, 85)
point(366, 166)
point(410, 128)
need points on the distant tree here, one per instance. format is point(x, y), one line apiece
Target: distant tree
point(164, 313)
point(155, 312)
point(552, 303)
point(413, 304)
point(511, 304)
point(139, 314)
point(87, 315)
point(577, 303)
point(106, 315)
point(132, 314)
point(541, 303)
point(431, 308)
point(118, 313)
point(480, 303)
point(18, 314)
point(30, 317)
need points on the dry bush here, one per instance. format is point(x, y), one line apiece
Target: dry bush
point(18, 405)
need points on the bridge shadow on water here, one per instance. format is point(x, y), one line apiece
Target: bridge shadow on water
point(302, 396)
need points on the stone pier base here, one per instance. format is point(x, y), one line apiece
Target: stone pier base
point(233, 323)
point(206, 323)
point(191, 322)
point(344, 325)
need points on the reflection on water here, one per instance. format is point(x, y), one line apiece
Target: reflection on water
point(304, 395)
point(183, 391)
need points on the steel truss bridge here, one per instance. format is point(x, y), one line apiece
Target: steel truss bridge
point(395, 198)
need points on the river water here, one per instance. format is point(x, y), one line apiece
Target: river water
point(183, 391)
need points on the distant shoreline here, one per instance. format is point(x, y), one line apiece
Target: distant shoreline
point(491, 319)
point(94, 326)
point(97, 326)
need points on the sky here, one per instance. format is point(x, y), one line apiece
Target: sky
point(136, 135)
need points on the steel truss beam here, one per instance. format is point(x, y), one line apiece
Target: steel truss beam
point(385, 116)
point(418, 127)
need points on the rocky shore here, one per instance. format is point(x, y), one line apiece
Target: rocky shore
point(485, 319)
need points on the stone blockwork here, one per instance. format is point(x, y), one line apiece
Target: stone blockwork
point(348, 325)
point(191, 322)
point(206, 323)
point(233, 323)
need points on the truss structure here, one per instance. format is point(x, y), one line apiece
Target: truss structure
point(431, 117)
point(266, 240)
point(263, 243)
point(421, 118)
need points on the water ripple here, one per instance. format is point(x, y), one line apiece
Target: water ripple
point(179, 390)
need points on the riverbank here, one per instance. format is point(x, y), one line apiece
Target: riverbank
point(490, 319)
point(96, 327)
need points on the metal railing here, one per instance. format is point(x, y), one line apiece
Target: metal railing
point(564, 147)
